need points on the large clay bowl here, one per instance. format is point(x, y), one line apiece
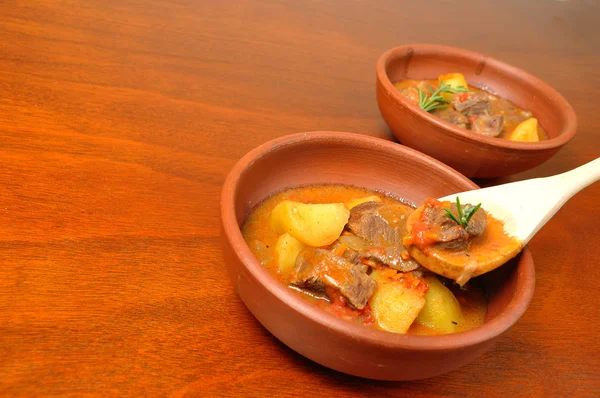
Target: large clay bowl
point(472, 154)
point(343, 158)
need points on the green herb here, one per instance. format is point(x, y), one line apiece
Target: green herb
point(436, 100)
point(464, 214)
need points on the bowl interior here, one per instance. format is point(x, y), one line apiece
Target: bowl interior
point(346, 159)
point(341, 158)
point(526, 91)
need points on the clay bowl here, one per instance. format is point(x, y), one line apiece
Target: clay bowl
point(343, 158)
point(472, 154)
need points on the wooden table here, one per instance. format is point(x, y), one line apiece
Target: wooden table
point(118, 123)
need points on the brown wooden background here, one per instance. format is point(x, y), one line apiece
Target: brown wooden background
point(118, 123)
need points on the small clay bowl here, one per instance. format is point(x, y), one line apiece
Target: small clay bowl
point(474, 155)
point(344, 158)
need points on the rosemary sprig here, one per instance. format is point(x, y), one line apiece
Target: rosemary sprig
point(436, 100)
point(464, 214)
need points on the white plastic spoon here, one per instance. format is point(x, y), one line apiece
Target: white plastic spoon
point(523, 207)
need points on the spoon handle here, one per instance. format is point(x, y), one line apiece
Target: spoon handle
point(526, 206)
point(561, 187)
point(575, 180)
point(558, 190)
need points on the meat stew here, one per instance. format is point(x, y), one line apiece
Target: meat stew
point(341, 248)
point(452, 99)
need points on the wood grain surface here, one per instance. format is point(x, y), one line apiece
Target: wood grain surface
point(118, 123)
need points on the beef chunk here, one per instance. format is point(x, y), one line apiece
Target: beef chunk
point(316, 269)
point(379, 224)
point(383, 226)
point(454, 238)
point(488, 125)
point(449, 234)
point(477, 223)
point(390, 256)
point(452, 116)
point(475, 104)
point(352, 256)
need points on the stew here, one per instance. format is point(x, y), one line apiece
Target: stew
point(450, 98)
point(342, 248)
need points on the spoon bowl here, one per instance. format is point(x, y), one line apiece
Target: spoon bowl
point(522, 208)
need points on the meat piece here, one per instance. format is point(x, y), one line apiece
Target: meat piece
point(449, 234)
point(454, 238)
point(488, 125)
point(316, 269)
point(452, 116)
point(390, 256)
point(474, 104)
point(383, 226)
point(477, 223)
point(351, 255)
point(378, 223)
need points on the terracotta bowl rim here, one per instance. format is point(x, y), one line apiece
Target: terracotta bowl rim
point(371, 337)
point(564, 136)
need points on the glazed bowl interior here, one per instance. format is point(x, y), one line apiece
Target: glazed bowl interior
point(350, 159)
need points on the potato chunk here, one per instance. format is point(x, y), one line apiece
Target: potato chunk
point(312, 224)
point(286, 251)
point(355, 202)
point(442, 310)
point(396, 303)
point(526, 131)
point(454, 80)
